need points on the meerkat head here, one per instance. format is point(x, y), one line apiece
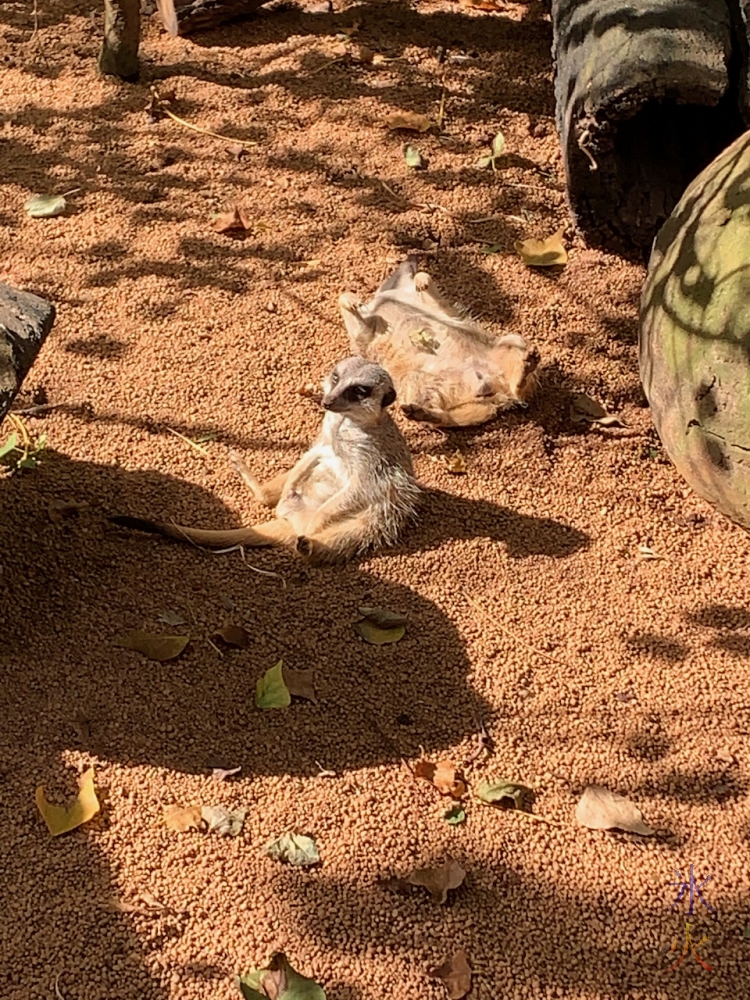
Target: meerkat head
point(360, 389)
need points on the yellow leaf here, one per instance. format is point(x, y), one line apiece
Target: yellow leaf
point(182, 818)
point(455, 463)
point(61, 819)
point(410, 120)
point(543, 253)
point(155, 647)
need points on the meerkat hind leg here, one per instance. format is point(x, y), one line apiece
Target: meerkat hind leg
point(337, 541)
point(469, 414)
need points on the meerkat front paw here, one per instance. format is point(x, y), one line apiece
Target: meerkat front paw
point(350, 302)
point(422, 281)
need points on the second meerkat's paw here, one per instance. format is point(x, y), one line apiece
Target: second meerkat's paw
point(422, 281)
point(350, 302)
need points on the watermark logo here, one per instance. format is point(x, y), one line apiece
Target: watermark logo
point(689, 946)
point(693, 889)
point(690, 888)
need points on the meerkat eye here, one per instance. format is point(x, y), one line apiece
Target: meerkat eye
point(356, 393)
point(334, 378)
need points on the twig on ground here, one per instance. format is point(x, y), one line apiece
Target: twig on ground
point(58, 994)
point(197, 128)
point(423, 206)
point(324, 772)
point(212, 643)
point(511, 635)
point(198, 447)
point(441, 110)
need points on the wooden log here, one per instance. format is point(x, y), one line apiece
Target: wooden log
point(25, 321)
point(181, 17)
point(122, 34)
point(646, 96)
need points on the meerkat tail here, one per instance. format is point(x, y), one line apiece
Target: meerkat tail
point(275, 532)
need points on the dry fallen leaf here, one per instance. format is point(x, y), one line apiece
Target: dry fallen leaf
point(295, 848)
point(489, 5)
point(82, 726)
point(585, 409)
point(647, 553)
point(235, 220)
point(233, 635)
point(59, 509)
point(600, 809)
point(61, 819)
point(439, 881)
point(279, 981)
point(182, 818)
point(154, 647)
point(172, 618)
point(225, 822)
point(443, 775)
point(300, 683)
point(45, 206)
point(222, 773)
point(455, 463)
point(543, 253)
point(409, 120)
point(455, 974)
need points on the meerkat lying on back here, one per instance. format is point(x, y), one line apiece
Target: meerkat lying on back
point(446, 368)
point(353, 490)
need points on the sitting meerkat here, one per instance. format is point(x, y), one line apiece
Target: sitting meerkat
point(446, 368)
point(353, 491)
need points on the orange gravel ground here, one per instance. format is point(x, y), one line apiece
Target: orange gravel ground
point(163, 323)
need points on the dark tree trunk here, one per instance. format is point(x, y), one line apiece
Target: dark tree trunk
point(122, 35)
point(25, 321)
point(647, 94)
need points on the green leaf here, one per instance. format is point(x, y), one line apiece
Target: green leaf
point(424, 342)
point(271, 691)
point(279, 982)
point(746, 934)
point(378, 636)
point(492, 248)
point(10, 445)
point(485, 161)
point(505, 793)
point(45, 206)
point(413, 157)
point(498, 145)
point(380, 626)
point(154, 647)
point(455, 815)
point(295, 848)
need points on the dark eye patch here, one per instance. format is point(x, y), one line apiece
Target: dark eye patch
point(356, 393)
point(334, 378)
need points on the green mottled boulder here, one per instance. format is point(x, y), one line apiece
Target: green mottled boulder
point(695, 333)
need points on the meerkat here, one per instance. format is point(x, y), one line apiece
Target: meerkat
point(353, 491)
point(447, 369)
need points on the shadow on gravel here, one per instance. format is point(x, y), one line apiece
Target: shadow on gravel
point(567, 943)
point(72, 585)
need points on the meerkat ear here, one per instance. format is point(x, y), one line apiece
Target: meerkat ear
point(389, 398)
